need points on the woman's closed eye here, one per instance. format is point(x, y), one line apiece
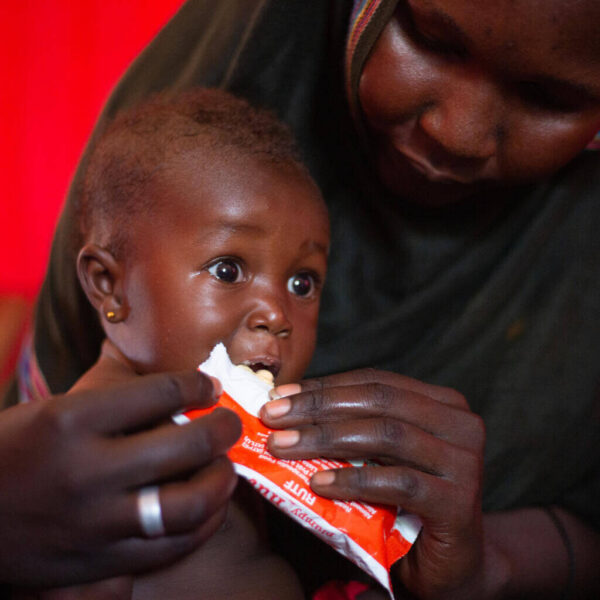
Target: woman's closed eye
point(227, 270)
point(428, 35)
point(304, 284)
point(557, 97)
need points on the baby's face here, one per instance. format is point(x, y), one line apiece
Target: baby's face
point(235, 252)
point(461, 95)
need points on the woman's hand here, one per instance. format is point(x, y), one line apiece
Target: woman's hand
point(71, 469)
point(430, 447)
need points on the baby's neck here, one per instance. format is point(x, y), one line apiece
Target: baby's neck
point(110, 368)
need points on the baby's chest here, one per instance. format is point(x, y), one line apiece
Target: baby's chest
point(234, 563)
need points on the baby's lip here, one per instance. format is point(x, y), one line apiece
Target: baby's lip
point(263, 362)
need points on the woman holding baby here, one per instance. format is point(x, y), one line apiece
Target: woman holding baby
point(449, 141)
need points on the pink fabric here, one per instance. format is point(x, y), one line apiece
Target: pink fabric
point(340, 590)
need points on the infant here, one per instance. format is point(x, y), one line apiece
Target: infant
point(200, 225)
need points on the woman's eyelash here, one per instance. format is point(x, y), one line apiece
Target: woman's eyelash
point(424, 39)
point(535, 94)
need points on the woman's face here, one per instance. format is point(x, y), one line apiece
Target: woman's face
point(460, 96)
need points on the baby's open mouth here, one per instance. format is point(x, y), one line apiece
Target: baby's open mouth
point(265, 369)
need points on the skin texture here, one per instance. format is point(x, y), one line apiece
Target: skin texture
point(458, 100)
point(448, 116)
point(461, 113)
point(221, 267)
point(84, 468)
point(230, 261)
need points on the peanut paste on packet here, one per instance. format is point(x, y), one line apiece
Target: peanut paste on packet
point(371, 536)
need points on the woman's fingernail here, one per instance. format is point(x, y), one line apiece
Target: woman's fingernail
point(287, 389)
point(277, 408)
point(285, 439)
point(217, 387)
point(323, 478)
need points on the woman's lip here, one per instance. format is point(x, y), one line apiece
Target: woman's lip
point(454, 170)
point(433, 173)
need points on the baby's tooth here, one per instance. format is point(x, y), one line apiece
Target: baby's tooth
point(265, 375)
point(245, 368)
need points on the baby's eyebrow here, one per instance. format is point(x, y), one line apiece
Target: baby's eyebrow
point(312, 246)
point(233, 226)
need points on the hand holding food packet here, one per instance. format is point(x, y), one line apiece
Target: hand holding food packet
point(371, 536)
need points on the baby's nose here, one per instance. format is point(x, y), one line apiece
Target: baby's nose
point(269, 315)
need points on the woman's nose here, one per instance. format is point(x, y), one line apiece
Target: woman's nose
point(269, 315)
point(465, 116)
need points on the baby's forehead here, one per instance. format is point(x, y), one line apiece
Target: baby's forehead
point(227, 181)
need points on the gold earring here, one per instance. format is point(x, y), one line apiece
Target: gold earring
point(110, 315)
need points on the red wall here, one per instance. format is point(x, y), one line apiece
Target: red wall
point(59, 61)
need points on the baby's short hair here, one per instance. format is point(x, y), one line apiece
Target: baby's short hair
point(139, 140)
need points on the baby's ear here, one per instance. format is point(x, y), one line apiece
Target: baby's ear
point(101, 277)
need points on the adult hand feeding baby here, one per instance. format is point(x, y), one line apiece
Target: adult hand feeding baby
point(429, 447)
point(81, 461)
point(373, 537)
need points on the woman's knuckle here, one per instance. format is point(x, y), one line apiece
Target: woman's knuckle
point(357, 479)
point(381, 396)
point(169, 388)
point(366, 375)
point(391, 431)
point(325, 436)
point(408, 484)
point(314, 402)
point(55, 418)
point(472, 466)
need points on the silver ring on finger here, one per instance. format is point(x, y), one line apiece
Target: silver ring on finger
point(150, 512)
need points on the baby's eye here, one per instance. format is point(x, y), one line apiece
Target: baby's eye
point(302, 284)
point(227, 270)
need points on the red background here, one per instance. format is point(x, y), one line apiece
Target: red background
point(60, 59)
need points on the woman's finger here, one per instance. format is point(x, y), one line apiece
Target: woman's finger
point(375, 400)
point(185, 505)
point(388, 441)
point(142, 554)
point(140, 403)
point(170, 451)
point(188, 505)
point(366, 376)
point(415, 491)
point(133, 555)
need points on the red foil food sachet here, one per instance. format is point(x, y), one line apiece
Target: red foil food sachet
point(372, 536)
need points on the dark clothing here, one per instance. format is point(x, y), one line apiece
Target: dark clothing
point(499, 300)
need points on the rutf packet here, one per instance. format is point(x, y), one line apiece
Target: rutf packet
point(372, 536)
